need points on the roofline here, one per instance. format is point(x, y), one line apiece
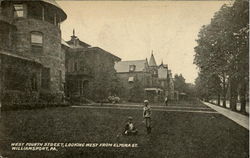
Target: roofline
point(106, 52)
point(63, 42)
point(124, 72)
point(133, 60)
point(64, 15)
point(49, 2)
point(2, 52)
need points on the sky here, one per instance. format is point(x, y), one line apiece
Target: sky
point(131, 30)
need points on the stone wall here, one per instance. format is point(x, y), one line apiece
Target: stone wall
point(51, 56)
point(17, 80)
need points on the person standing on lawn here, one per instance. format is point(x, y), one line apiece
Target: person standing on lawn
point(147, 115)
point(166, 101)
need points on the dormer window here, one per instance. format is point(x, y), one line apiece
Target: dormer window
point(19, 10)
point(131, 68)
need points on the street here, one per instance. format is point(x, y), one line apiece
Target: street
point(180, 130)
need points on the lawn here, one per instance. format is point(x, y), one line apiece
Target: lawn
point(174, 134)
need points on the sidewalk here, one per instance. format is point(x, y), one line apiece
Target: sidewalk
point(236, 117)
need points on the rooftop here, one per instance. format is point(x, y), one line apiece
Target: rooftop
point(54, 4)
point(123, 66)
point(152, 61)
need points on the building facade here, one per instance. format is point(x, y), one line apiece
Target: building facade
point(31, 56)
point(134, 76)
point(143, 79)
point(90, 73)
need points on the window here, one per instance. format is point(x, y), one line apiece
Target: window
point(18, 10)
point(60, 80)
point(13, 78)
point(34, 82)
point(155, 73)
point(75, 66)
point(49, 15)
point(83, 86)
point(131, 79)
point(5, 36)
point(45, 78)
point(36, 42)
point(35, 10)
point(131, 68)
point(0, 9)
point(162, 83)
point(36, 38)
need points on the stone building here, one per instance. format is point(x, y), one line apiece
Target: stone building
point(90, 73)
point(143, 79)
point(31, 56)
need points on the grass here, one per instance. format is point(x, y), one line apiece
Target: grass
point(174, 134)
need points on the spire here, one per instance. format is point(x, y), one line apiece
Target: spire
point(161, 62)
point(73, 36)
point(152, 61)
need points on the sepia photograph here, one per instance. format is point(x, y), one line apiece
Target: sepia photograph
point(124, 79)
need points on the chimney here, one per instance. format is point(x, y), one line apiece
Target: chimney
point(74, 38)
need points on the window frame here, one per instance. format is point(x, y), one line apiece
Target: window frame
point(23, 9)
point(36, 47)
point(45, 79)
point(34, 82)
point(132, 68)
point(32, 8)
point(36, 33)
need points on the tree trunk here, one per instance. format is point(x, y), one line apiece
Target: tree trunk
point(224, 91)
point(243, 96)
point(233, 94)
point(218, 102)
point(1, 84)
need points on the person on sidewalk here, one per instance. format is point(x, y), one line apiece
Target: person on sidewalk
point(166, 101)
point(147, 116)
point(130, 128)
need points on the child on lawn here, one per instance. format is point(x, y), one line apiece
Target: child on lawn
point(130, 128)
point(147, 116)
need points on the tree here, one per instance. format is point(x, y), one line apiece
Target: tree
point(179, 83)
point(222, 52)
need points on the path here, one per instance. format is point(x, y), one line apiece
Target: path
point(154, 108)
point(240, 119)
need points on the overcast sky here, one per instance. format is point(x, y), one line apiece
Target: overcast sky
point(131, 30)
